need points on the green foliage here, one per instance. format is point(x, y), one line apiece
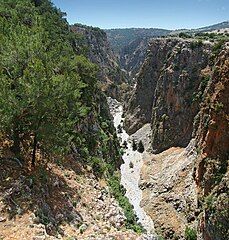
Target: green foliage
point(43, 216)
point(218, 106)
point(119, 128)
point(184, 35)
point(190, 234)
point(98, 165)
point(160, 238)
point(165, 117)
point(212, 37)
point(45, 89)
point(196, 44)
point(119, 193)
point(209, 200)
point(218, 46)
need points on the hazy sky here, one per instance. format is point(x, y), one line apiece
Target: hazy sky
point(169, 14)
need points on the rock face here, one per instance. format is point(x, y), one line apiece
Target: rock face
point(182, 91)
point(212, 141)
point(120, 38)
point(165, 92)
point(133, 55)
point(99, 52)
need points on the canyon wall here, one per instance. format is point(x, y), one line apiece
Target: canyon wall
point(98, 50)
point(211, 131)
point(133, 55)
point(168, 83)
point(182, 91)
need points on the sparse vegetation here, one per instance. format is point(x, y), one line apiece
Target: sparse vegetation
point(190, 234)
point(119, 193)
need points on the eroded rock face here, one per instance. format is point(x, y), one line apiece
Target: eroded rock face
point(183, 92)
point(166, 85)
point(212, 142)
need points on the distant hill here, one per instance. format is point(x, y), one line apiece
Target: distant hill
point(120, 38)
point(217, 26)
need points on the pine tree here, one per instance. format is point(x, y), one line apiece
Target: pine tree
point(45, 89)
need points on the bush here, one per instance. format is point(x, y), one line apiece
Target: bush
point(218, 106)
point(190, 234)
point(196, 44)
point(218, 46)
point(184, 35)
point(125, 145)
point(98, 165)
point(119, 193)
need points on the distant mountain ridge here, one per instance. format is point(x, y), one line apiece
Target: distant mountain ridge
point(120, 38)
point(217, 26)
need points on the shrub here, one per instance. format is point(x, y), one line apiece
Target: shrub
point(119, 193)
point(125, 144)
point(98, 165)
point(218, 106)
point(217, 47)
point(184, 35)
point(119, 128)
point(196, 44)
point(190, 234)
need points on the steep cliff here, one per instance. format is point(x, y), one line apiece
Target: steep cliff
point(212, 142)
point(165, 93)
point(182, 91)
point(99, 52)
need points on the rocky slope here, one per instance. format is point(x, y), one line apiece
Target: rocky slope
point(99, 52)
point(58, 201)
point(169, 194)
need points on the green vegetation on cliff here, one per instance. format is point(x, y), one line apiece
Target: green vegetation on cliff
point(49, 95)
point(50, 101)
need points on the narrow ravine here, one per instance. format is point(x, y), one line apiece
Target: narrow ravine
point(130, 170)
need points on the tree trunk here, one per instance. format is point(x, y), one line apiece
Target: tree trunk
point(34, 149)
point(16, 141)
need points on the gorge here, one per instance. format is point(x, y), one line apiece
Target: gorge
point(127, 129)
